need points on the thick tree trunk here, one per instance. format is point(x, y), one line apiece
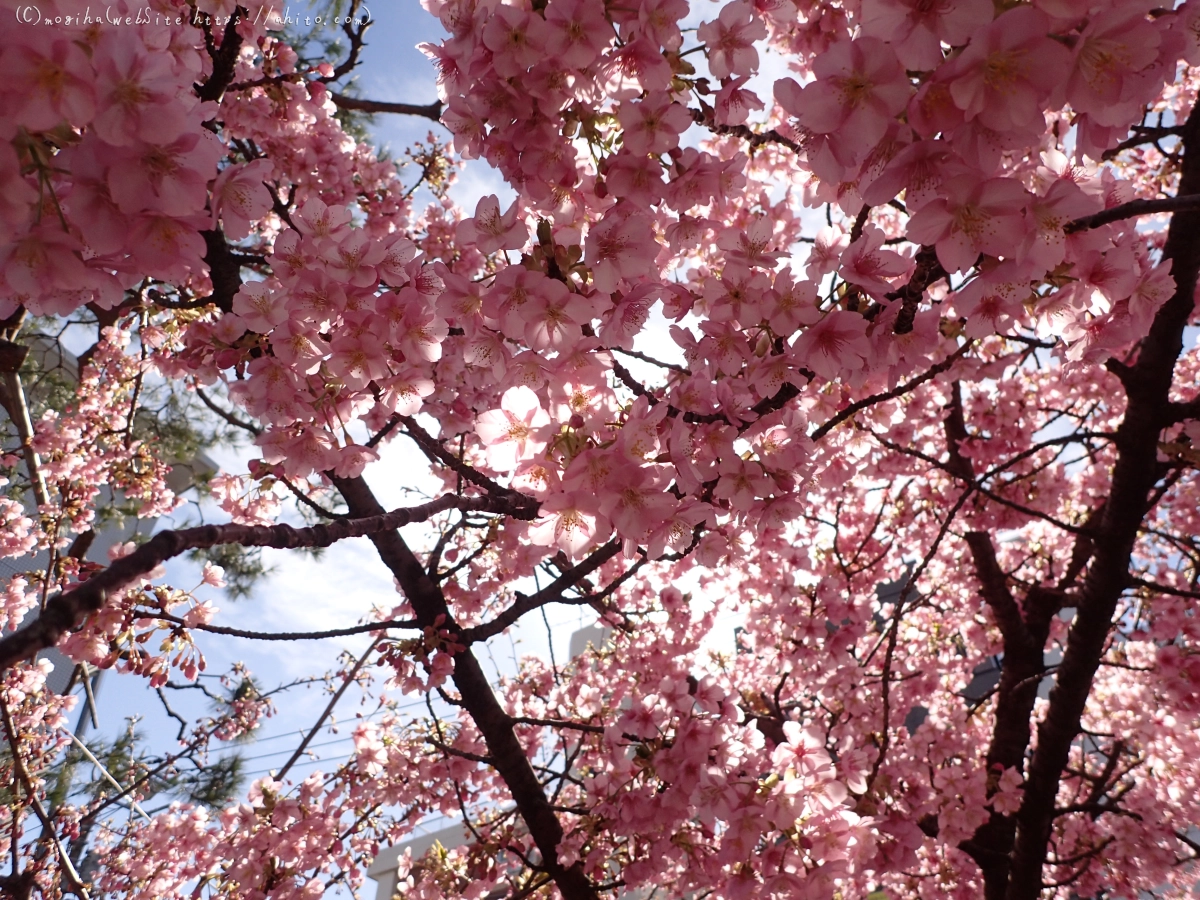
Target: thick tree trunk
point(1147, 385)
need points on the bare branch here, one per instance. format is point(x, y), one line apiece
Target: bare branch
point(429, 111)
point(67, 610)
point(551, 593)
point(898, 391)
point(1133, 209)
point(365, 628)
point(333, 701)
point(12, 398)
point(755, 138)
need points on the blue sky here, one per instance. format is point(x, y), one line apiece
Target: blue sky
point(394, 70)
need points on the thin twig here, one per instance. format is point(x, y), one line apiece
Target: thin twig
point(365, 628)
point(47, 826)
point(350, 678)
point(103, 771)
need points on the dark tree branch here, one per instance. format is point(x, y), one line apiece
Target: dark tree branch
point(224, 270)
point(1143, 134)
point(634, 354)
point(67, 610)
point(898, 391)
point(365, 628)
point(429, 111)
point(551, 593)
point(226, 415)
point(224, 58)
point(1157, 588)
point(1023, 640)
point(755, 139)
point(506, 753)
point(1181, 412)
point(928, 270)
point(1148, 411)
point(434, 450)
point(1133, 209)
point(49, 833)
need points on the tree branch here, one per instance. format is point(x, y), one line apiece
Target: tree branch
point(12, 398)
point(898, 391)
point(1132, 209)
point(65, 611)
point(507, 754)
point(1148, 411)
point(755, 139)
point(928, 270)
point(333, 701)
point(429, 111)
point(48, 831)
point(551, 593)
point(365, 628)
point(434, 450)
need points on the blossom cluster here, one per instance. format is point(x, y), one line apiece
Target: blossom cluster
point(649, 368)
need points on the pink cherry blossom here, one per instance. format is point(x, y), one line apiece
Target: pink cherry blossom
point(652, 127)
point(622, 246)
point(490, 231)
point(860, 86)
point(46, 83)
point(1007, 70)
point(240, 197)
point(734, 104)
point(918, 29)
point(834, 345)
point(973, 217)
point(867, 265)
point(576, 32)
point(511, 432)
point(730, 40)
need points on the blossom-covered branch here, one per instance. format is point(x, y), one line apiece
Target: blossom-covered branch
point(65, 611)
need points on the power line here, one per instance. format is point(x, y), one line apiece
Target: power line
point(340, 740)
point(378, 712)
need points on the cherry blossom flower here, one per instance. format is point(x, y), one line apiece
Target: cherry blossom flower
point(490, 231)
point(46, 83)
point(734, 104)
point(867, 265)
point(259, 308)
point(622, 246)
point(566, 524)
point(826, 251)
point(1113, 65)
point(836, 344)
point(972, 217)
point(511, 432)
point(860, 86)
point(730, 40)
point(918, 28)
point(576, 32)
point(652, 126)
point(1007, 70)
point(240, 197)
point(993, 302)
point(516, 39)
